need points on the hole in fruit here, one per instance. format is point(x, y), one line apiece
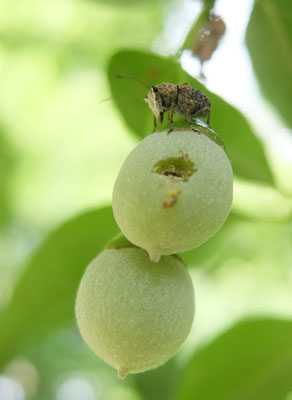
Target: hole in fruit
point(172, 173)
point(176, 167)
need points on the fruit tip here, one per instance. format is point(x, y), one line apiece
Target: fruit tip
point(154, 255)
point(121, 374)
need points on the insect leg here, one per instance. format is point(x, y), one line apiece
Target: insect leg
point(173, 104)
point(190, 123)
point(202, 111)
point(171, 120)
point(208, 117)
point(154, 129)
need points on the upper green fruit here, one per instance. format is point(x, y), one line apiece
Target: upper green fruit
point(173, 192)
point(134, 313)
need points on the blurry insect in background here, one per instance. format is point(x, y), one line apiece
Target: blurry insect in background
point(181, 99)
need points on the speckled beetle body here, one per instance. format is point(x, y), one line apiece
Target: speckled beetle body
point(181, 99)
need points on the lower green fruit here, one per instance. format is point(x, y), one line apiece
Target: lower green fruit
point(173, 192)
point(133, 313)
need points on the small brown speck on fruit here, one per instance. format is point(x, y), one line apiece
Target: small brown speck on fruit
point(171, 198)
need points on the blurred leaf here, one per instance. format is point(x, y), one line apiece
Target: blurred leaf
point(243, 147)
point(45, 296)
point(269, 41)
point(62, 355)
point(237, 244)
point(94, 31)
point(6, 165)
point(251, 361)
point(123, 3)
point(158, 383)
point(213, 250)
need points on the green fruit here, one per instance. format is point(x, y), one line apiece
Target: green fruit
point(173, 192)
point(133, 313)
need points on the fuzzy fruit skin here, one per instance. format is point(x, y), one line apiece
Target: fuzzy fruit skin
point(201, 205)
point(133, 313)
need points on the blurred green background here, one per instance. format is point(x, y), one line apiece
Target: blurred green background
point(61, 147)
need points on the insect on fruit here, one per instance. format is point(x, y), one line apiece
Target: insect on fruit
point(181, 99)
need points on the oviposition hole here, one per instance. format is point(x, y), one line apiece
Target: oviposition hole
point(178, 168)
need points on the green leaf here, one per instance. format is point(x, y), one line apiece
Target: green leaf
point(237, 243)
point(251, 361)
point(7, 160)
point(243, 147)
point(158, 383)
point(269, 41)
point(119, 241)
point(45, 296)
point(97, 30)
point(128, 3)
point(215, 249)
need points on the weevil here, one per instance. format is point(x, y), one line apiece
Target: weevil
point(181, 99)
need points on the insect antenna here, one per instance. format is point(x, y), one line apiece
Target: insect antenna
point(134, 79)
point(102, 101)
point(115, 98)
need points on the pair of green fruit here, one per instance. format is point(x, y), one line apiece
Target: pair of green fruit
point(173, 192)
